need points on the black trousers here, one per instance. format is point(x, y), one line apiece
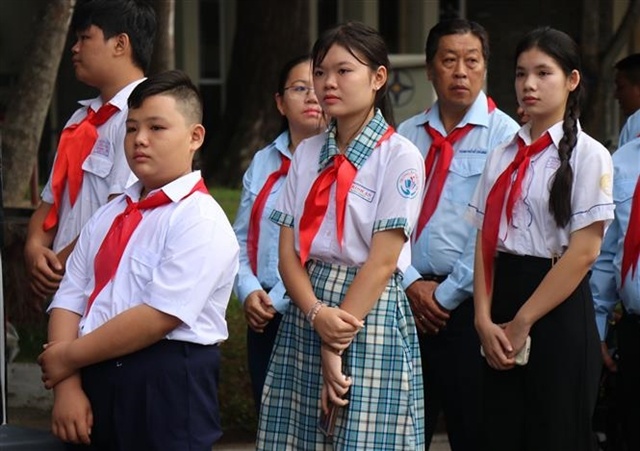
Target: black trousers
point(162, 398)
point(549, 403)
point(259, 347)
point(628, 390)
point(451, 365)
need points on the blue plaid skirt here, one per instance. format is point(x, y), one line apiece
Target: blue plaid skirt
point(386, 401)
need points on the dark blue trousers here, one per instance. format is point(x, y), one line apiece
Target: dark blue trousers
point(164, 397)
point(451, 370)
point(259, 347)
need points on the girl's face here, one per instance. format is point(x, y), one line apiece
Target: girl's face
point(299, 102)
point(344, 85)
point(542, 87)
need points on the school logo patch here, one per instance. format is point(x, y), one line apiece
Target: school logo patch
point(408, 185)
point(606, 184)
point(362, 192)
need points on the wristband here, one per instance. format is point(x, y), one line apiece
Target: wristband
point(313, 312)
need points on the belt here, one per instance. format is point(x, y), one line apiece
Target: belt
point(433, 278)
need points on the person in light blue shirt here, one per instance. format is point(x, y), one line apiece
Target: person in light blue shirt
point(630, 130)
point(440, 278)
point(258, 285)
point(608, 290)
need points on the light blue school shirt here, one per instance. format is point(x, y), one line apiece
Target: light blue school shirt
point(265, 162)
point(606, 272)
point(631, 129)
point(446, 245)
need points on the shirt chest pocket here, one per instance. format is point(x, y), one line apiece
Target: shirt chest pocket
point(143, 263)
point(98, 165)
point(462, 179)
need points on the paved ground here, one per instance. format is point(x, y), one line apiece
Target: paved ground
point(29, 405)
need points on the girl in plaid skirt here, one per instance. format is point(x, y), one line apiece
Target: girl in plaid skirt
point(345, 372)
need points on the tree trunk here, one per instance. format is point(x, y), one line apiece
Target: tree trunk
point(268, 33)
point(597, 118)
point(164, 49)
point(27, 110)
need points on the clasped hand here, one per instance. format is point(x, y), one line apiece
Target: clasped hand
point(336, 327)
point(430, 316)
point(44, 268)
point(55, 363)
point(502, 342)
point(335, 384)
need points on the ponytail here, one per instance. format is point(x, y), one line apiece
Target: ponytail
point(560, 197)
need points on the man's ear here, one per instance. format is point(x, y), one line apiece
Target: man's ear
point(122, 44)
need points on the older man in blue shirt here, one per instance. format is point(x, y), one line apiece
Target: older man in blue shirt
point(609, 288)
point(458, 131)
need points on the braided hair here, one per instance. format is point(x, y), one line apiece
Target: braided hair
point(563, 49)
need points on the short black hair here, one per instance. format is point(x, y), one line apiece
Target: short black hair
point(630, 67)
point(455, 26)
point(136, 18)
point(173, 83)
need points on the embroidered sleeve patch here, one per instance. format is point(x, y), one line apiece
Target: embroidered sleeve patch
point(408, 184)
point(606, 184)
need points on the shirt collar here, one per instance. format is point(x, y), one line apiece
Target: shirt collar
point(119, 100)
point(478, 114)
point(282, 144)
point(360, 148)
point(175, 190)
point(556, 131)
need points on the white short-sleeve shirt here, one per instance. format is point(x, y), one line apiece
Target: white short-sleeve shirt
point(533, 230)
point(386, 194)
point(181, 260)
point(105, 170)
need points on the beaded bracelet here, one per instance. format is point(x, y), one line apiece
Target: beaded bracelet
point(313, 312)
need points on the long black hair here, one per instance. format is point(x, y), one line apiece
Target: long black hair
point(564, 50)
point(361, 41)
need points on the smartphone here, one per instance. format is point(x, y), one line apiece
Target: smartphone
point(522, 357)
point(327, 421)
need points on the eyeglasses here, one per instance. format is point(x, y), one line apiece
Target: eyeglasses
point(299, 90)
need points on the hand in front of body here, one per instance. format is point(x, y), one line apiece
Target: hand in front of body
point(55, 363)
point(258, 310)
point(607, 359)
point(71, 417)
point(335, 384)
point(495, 344)
point(44, 269)
point(517, 332)
point(336, 327)
point(430, 316)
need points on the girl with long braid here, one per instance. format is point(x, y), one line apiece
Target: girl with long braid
point(542, 205)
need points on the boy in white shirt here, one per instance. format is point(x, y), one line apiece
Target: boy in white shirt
point(111, 54)
point(141, 321)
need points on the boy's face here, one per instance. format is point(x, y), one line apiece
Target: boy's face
point(160, 143)
point(91, 55)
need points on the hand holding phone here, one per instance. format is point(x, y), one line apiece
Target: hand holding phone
point(327, 421)
point(522, 357)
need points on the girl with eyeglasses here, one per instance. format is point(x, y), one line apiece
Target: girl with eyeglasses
point(258, 285)
point(345, 371)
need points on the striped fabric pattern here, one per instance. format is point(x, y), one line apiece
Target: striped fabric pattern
point(393, 223)
point(386, 405)
point(360, 148)
point(281, 218)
